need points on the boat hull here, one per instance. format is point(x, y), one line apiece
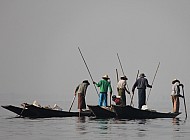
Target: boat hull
point(32, 111)
point(101, 112)
point(129, 112)
point(21, 112)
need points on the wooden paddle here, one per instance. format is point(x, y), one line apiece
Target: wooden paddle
point(184, 102)
point(72, 102)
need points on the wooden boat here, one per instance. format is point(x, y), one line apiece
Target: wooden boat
point(102, 112)
point(21, 112)
point(129, 112)
point(32, 111)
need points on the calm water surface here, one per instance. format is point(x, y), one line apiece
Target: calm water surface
point(88, 128)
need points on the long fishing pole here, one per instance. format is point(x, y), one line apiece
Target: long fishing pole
point(184, 102)
point(133, 93)
point(153, 81)
point(123, 73)
point(88, 70)
point(117, 76)
point(120, 63)
point(72, 103)
point(122, 70)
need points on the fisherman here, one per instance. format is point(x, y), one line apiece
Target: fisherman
point(141, 84)
point(81, 91)
point(103, 84)
point(116, 99)
point(176, 94)
point(121, 88)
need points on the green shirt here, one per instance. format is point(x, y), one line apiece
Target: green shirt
point(104, 85)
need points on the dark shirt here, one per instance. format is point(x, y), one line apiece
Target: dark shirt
point(141, 83)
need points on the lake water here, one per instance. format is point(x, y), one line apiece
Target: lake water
point(85, 128)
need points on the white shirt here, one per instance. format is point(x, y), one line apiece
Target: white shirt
point(121, 84)
point(175, 89)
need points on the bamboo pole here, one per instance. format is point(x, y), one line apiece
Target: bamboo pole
point(133, 93)
point(153, 81)
point(88, 70)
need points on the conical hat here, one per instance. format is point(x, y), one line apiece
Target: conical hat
point(142, 75)
point(175, 80)
point(124, 77)
point(105, 77)
point(86, 81)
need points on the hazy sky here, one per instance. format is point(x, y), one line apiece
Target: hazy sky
point(39, 42)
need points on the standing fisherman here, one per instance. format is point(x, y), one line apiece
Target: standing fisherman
point(141, 84)
point(103, 84)
point(81, 91)
point(176, 94)
point(121, 88)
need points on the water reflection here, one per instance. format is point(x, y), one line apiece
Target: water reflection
point(120, 121)
point(176, 121)
point(176, 127)
point(143, 121)
point(103, 124)
point(81, 125)
point(81, 119)
point(141, 134)
point(142, 129)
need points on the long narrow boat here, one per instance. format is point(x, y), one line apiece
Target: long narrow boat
point(32, 111)
point(21, 112)
point(102, 112)
point(129, 112)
